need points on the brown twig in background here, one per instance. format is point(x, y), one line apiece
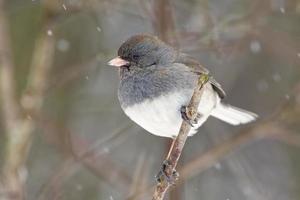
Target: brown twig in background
point(92, 156)
point(217, 153)
point(141, 175)
point(64, 78)
point(19, 124)
point(164, 23)
point(178, 143)
point(10, 107)
point(272, 128)
point(292, 139)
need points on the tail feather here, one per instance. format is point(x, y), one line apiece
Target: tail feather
point(233, 115)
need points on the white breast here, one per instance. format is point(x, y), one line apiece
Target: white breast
point(162, 116)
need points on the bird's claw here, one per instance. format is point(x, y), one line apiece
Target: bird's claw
point(187, 113)
point(163, 176)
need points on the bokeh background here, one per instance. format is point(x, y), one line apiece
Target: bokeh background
point(63, 135)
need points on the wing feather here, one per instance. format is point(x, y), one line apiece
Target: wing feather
point(196, 67)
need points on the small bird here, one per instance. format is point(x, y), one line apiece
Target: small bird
point(157, 82)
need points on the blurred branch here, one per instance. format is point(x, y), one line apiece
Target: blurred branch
point(292, 139)
point(179, 141)
point(163, 22)
point(20, 125)
point(215, 154)
point(92, 156)
point(11, 111)
point(67, 76)
point(272, 128)
point(140, 177)
point(220, 151)
point(10, 105)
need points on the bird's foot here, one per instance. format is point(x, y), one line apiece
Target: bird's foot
point(163, 175)
point(187, 113)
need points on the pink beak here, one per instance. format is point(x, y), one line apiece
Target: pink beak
point(118, 62)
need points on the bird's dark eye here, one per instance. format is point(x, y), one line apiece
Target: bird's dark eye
point(135, 57)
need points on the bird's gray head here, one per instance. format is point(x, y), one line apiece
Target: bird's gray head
point(142, 51)
point(147, 70)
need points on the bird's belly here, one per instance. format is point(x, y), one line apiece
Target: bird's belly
point(162, 115)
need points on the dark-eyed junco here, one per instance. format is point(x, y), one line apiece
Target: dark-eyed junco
point(156, 81)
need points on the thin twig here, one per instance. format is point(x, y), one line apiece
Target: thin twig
point(10, 107)
point(178, 143)
point(10, 104)
point(20, 125)
point(140, 176)
point(204, 161)
point(219, 152)
point(91, 156)
point(291, 139)
point(271, 128)
point(164, 23)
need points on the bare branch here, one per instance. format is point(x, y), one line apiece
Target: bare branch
point(208, 159)
point(178, 143)
point(91, 156)
point(19, 126)
point(217, 153)
point(10, 107)
point(272, 128)
point(164, 23)
point(140, 177)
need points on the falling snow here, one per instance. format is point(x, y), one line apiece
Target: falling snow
point(276, 77)
point(63, 45)
point(49, 32)
point(287, 96)
point(98, 29)
point(218, 166)
point(106, 150)
point(282, 10)
point(277, 4)
point(111, 198)
point(79, 187)
point(64, 7)
point(255, 46)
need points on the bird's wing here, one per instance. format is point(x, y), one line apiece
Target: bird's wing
point(217, 87)
point(191, 63)
point(196, 67)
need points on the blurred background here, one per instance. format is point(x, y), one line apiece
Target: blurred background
point(63, 135)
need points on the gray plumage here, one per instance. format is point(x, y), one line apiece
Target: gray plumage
point(156, 81)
